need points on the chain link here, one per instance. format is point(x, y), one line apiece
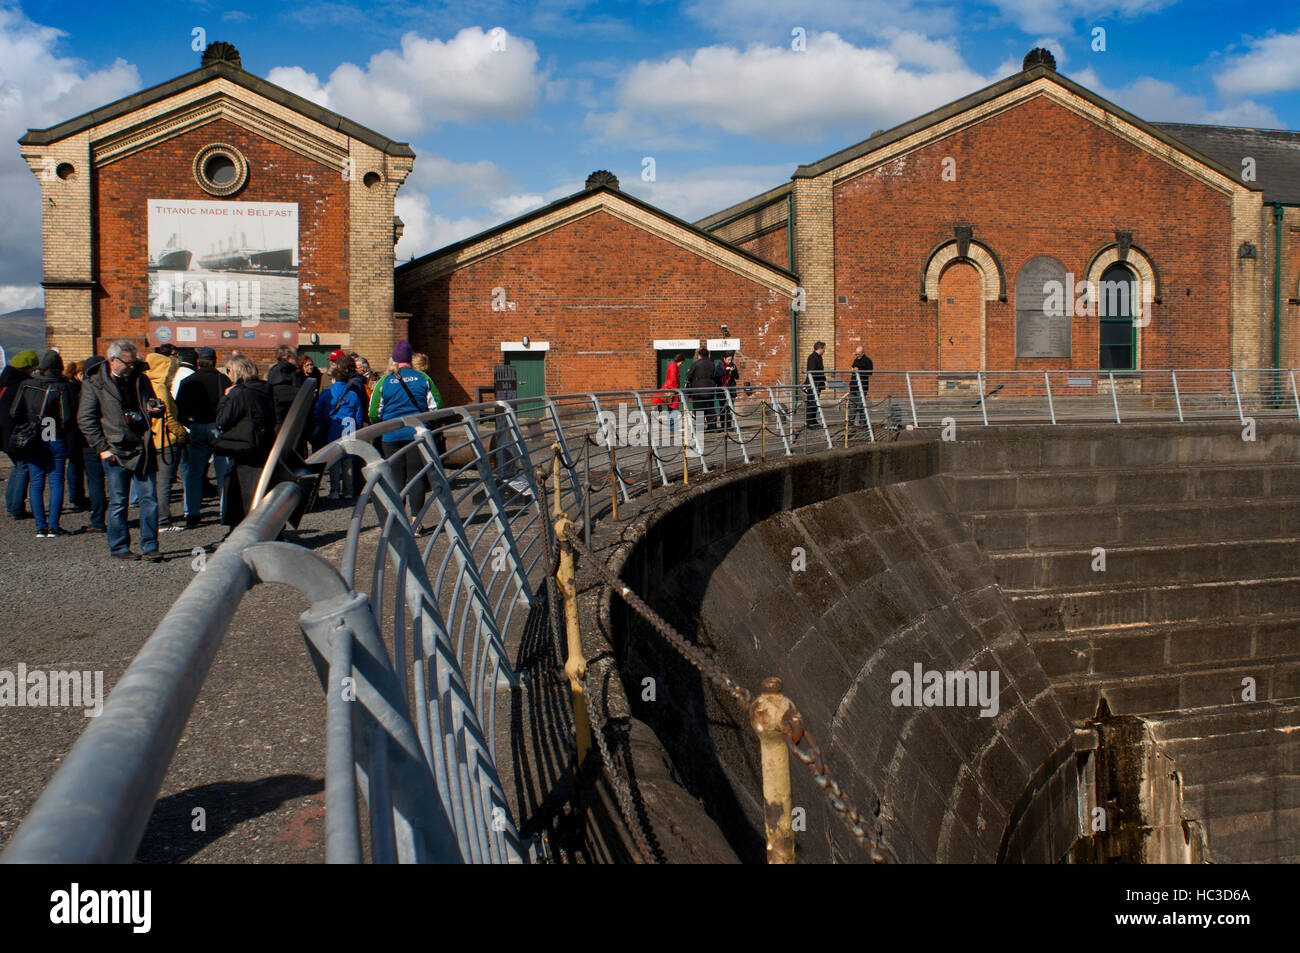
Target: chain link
point(798, 737)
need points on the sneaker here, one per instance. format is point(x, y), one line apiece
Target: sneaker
point(41, 534)
point(56, 531)
point(170, 528)
point(126, 555)
point(153, 557)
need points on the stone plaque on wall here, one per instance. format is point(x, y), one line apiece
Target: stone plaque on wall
point(1038, 333)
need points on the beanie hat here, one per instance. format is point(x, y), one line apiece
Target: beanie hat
point(51, 361)
point(92, 362)
point(402, 352)
point(24, 359)
point(207, 354)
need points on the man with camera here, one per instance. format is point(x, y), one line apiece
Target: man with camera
point(117, 405)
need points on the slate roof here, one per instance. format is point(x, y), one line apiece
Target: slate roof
point(545, 210)
point(1276, 153)
point(277, 94)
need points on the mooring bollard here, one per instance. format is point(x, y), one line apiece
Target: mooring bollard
point(575, 666)
point(613, 486)
point(767, 714)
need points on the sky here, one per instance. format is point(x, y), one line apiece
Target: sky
point(694, 105)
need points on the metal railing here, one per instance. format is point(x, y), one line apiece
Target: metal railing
point(444, 566)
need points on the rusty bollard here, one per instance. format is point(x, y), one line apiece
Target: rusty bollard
point(575, 666)
point(767, 714)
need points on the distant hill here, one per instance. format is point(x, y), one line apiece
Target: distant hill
point(21, 330)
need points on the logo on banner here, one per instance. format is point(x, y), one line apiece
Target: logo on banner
point(186, 334)
point(163, 333)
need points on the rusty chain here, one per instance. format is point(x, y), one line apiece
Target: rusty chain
point(798, 737)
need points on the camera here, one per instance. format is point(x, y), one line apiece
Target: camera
point(154, 407)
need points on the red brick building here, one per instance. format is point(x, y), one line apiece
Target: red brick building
point(592, 293)
point(940, 244)
point(218, 209)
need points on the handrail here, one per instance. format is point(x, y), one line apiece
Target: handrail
point(469, 565)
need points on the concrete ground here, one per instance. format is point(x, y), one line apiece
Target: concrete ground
point(253, 753)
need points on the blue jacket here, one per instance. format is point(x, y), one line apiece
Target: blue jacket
point(391, 399)
point(349, 409)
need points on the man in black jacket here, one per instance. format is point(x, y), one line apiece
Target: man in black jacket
point(117, 403)
point(285, 380)
point(197, 400)
point(11, 378)
point(701, 381)
point(816, 379)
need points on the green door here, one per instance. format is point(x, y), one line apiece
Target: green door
point(663, 358)
point(531, 370)
point(319, 355)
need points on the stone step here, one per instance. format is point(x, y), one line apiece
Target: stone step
point(1178, 687)
point(1175, 727)
point(1047, 528)
point(1158, 486)
point(1019, 449)
point(1110, 650)
point(1068, 611)
point(1169, 563)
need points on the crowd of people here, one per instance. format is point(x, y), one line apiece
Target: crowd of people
point(705, 379)
point(123, 429)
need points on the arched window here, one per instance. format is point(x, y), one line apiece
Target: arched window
point(1116, 298)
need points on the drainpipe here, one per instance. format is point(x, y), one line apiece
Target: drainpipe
point(1277, 292)
point(789, 254)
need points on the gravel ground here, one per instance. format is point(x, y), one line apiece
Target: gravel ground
point(253, 753)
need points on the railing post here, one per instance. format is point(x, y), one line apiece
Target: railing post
point(1114, 398)
point(1295, 394)
point(686, 470)
point(979, 379)
point(1237, 394)
point(1178, 400)
point(586, 492)
point(767, 714)
point(575, 666)
point(911, 400)
point(613, 485)
point(762, 424)
point(848, 399)
point(1051, 408)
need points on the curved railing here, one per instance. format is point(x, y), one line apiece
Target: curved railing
point(450, 563)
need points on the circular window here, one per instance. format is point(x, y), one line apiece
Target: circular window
point(65, 171)
point(220, 169)
point(371, 180)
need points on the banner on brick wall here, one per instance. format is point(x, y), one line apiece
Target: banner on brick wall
point(223, 274)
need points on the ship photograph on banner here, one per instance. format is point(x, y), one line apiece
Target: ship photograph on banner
point(223, 273)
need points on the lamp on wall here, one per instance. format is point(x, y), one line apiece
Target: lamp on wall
point(525, 341)
point(1247, 250)
point(315, 338)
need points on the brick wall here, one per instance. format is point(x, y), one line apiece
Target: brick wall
point(599, 290)
point(1036, 179)
point(164, 171)
point(771, 246)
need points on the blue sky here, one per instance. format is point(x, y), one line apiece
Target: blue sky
point(509, 105)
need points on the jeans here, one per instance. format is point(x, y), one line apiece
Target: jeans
point(95, 488)
point(16, 488)
point(47, 462)
point(121, 481)
point(405, 468)
point(76, 477)
point(198, 453)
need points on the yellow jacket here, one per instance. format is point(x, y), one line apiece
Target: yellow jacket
point(161, 370)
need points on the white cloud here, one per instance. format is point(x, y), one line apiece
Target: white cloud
point(428, 82)
point(475, 182)
point(235, 16)
point(778, 94)
point(1272, 65)
point(1057, 16)
point(693, 195)
point(1156, 100)
point(17, 297)
point(426, 230)
point(38, 88)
